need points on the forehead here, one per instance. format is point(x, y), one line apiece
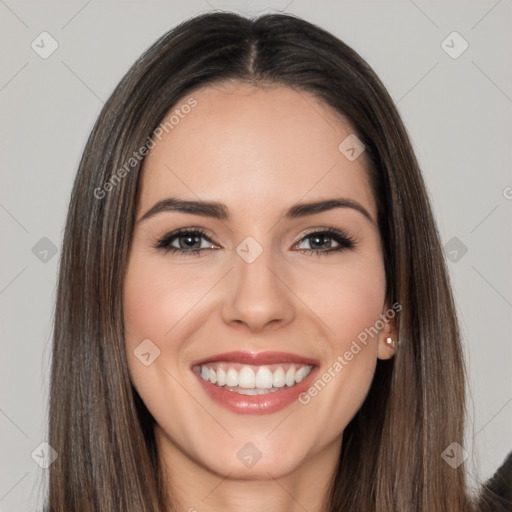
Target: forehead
point(250, 147)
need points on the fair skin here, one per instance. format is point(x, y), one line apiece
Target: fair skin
point(258, 151)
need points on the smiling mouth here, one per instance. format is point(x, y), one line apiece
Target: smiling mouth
point(246, 379)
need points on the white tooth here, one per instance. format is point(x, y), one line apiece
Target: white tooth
point(221, 377)
point(213, 376)
point(232, 377)
point(290, 376)
point(246, 378)
point(278, 378)
point(299, 374)
point(243, 391)
point(205, 372)
point(264, 378)
point(308, 369)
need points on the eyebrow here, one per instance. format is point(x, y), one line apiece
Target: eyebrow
point(220, 211)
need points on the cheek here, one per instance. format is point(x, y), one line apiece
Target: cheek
point(152, 307)
point(349, 303)
point(348, 299)
point(155, 301)
point(358, 303)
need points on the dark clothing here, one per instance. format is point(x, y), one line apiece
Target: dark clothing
point(497, 491)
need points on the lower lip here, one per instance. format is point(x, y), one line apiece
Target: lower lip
point(256, 404)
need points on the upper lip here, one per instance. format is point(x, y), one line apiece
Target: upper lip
point(260, 358)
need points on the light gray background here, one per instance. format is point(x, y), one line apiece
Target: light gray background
point(457, 111)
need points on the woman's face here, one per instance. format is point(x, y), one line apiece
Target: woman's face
point(257, 306)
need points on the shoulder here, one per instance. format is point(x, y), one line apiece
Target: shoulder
point(497, 491)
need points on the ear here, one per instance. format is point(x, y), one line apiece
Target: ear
point(386, 350)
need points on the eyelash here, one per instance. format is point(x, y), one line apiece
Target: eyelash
point(164, 243)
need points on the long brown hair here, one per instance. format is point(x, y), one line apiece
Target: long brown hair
point(391, 452)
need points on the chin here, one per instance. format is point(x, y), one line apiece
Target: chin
point(262, 469)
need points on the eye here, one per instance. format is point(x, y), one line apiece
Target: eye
point(188, 242)
point(324, 238)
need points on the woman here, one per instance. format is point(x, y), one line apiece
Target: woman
point(253, 309)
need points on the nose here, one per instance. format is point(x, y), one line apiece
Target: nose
point(257, 295)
